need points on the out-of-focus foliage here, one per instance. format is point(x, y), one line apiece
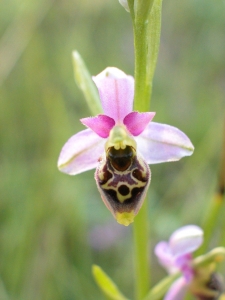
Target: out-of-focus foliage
point(53, 226)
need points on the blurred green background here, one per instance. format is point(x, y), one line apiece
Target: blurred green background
point(53, 227)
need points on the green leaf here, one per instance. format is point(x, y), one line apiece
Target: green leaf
point(86, 84)
point(106, 284)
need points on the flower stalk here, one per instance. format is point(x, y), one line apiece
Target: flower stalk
point(146, 26)
point(216, 205)
point(141, 252)
point(142, 85)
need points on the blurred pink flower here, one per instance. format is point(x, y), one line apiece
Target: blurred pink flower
point(176, 255)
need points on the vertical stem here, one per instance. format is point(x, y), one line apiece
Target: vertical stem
point(141, 224)
point(142, 85)
point(221, 185)
point(210, 221)
point(146, 42)
point(216, 204)
point(141, 252)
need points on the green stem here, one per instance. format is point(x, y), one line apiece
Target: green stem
point(146, 17)
point(141, 224)
point(141, 252)
point(142, 85)
point(210, 222)
point(147, 28)
point(215, 206)
point(221, 186)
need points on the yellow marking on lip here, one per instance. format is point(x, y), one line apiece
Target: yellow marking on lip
point(125, 218)
point(119, 138)
point(123, 198)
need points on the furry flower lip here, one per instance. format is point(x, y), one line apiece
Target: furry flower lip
point(120, 144)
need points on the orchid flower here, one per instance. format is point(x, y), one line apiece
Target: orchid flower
point(120, 144)
point(176, 255)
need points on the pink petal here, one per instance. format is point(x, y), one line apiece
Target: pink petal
point(162, 143)
point(81, 152)
point(186, 240)
point(184, 264)
point(116, 91)
point(100, 124)
point(177, 290)
point(136, 122)
point(165, 257)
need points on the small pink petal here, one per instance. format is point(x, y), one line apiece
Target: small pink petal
point(116, 91)
point(100, 124)
point(162, 143)
point(81, 152)
point(136, 122)
point(165, 257)
point(186, 240)
point(184, 264)
point(177, 290)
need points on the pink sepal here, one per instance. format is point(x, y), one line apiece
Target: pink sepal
point(177, 290)
point(186, 240)
point(162, 143)
point(136, 122)
point(100, 124)
point(165, 257)
point(81, 152)
point(116, 91)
